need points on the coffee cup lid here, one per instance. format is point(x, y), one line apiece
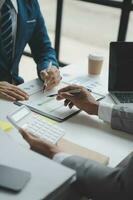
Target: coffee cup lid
point(96, 56)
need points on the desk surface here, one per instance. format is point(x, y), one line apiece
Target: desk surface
point(44, 181)
point(85, 130)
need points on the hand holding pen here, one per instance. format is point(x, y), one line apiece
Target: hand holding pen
point(82, 99)
point(74, 91)
point(50, 76)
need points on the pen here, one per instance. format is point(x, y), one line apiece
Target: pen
point(45, 82)
point(94, 92)
point(100, 98)
point(74, 91)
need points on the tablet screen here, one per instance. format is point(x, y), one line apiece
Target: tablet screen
point(12, 178)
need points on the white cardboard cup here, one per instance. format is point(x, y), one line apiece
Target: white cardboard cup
point(95, 63)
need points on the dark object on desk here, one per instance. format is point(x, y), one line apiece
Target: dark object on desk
point(125, 161)
point(13, 179)
point(120, 72)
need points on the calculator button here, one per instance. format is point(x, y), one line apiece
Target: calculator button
point(42, 129)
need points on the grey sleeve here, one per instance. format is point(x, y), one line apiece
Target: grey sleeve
point(122, 118)
point(100, 182)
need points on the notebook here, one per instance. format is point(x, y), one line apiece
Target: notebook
point(41, 103)
point(120, 72)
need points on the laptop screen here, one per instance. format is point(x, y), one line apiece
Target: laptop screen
point(121, 66)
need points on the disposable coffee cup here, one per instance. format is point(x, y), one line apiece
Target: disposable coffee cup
point(95, 63)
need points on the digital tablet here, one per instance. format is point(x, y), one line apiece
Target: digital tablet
point(13, 179)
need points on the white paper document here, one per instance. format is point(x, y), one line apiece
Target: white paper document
point(44, 105)
point(91, 83)
point(97, 89)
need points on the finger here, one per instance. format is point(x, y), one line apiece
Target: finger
point(44, 75)
point(29, 137)
point(51, 85)
point(59, 97)
point(70, 87)
point(15, 95)
point(26, 135)
point(54, 77)
point(19, 90)
point(50, 80)
point(71, 105)
point(20, 94)
point(66, 102)
point(53, 71)
point(67, 96)
point(64, 95)
point(7, 97)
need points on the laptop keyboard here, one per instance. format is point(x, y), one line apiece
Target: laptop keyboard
point(125, 97)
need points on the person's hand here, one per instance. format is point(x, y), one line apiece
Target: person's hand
point(40, 145)
point(12, 92)
point(51, 77)
point(83, 100)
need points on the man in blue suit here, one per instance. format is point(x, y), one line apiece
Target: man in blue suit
point(22, 23)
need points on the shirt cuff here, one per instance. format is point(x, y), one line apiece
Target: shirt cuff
point(60, 157)
point(105, 111)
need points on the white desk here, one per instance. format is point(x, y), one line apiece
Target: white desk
point(44, 182)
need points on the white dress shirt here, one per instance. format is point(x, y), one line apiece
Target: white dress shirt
point(14, 12)
point(104, 113)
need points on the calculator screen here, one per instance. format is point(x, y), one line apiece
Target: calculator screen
point(20, 114)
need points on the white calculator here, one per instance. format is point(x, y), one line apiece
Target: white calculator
point(24, 118)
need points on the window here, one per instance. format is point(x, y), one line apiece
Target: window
point(76, 32)
point(48, 8)
point(130, 28)
point(87, 27)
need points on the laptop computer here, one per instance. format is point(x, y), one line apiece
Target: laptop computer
point(121, 72)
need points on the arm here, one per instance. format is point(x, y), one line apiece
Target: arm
point(44, 54)
point(100, 182)
point(120, 116)
point(40, 44)
point(93, 179)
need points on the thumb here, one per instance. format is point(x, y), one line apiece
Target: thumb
point(44, 75)
point(26, 136)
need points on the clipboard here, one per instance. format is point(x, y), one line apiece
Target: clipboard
point(44, 105)
point(75, 149)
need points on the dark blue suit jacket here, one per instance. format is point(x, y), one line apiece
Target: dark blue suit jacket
point(31, 29)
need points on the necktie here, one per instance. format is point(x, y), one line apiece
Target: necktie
point(6, 30)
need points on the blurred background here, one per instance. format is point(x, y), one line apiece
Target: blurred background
point(79, 27)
